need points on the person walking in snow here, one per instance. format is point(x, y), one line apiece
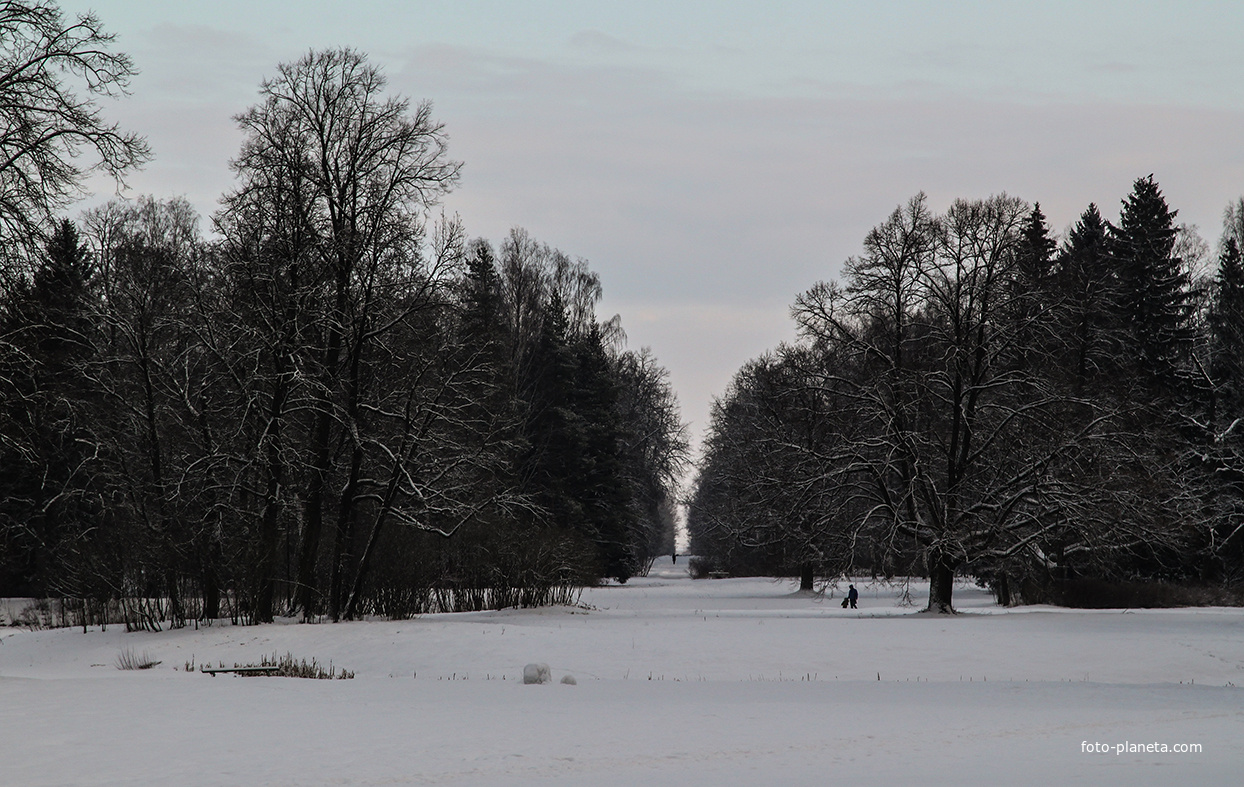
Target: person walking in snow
point(853, 595)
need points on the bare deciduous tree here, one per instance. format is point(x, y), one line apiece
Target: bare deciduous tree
point(45, 124)
point(357, 170)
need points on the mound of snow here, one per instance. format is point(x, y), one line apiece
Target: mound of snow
point(537, 673)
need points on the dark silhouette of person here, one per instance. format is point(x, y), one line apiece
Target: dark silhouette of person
point(853, 595)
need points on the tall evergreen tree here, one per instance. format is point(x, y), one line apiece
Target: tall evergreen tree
point(553, 434)
point(1227, 329)
point(1034, 294)
point(1088, 293)
point(61, 293)
point(1035, 256)
point(1153, 287)
point(1221, 447)
point(606, 496)
point(43, 423)
point(573, 466)
point(482, 319)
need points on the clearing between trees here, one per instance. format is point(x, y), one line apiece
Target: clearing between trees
point(680, 682)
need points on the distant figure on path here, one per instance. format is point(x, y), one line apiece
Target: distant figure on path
point(853, 595)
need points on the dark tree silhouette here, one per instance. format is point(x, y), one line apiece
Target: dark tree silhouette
point(46, 127)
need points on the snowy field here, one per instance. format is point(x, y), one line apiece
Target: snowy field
point(711, 682)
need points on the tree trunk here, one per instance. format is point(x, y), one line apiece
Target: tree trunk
point(268, 530)
point(1002, 589)
point(806, 577)
point(360, 576)
point(345, 537)
point(211, 595)
point(941, 585)
point(321, 455)
point(265, 597)
point(309, 548)
point(386, 505)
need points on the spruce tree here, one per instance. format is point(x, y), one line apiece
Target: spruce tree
point(1154, 298)
point(1033, 293)
point(1088, 296)
point(61, 294)
point(554, 433)
point(573, 467)
point(606, 496)
point(43, 446)
point(1222, 451)
point(1226, 321)
point(482, 324)
point(1035, 256)
point(483, 352)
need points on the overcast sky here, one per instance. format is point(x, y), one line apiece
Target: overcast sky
point(713, 159)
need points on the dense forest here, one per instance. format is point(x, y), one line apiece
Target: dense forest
point(978, 398)
point(332, 404)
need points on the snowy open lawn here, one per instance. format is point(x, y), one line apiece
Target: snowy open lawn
point(714, 682)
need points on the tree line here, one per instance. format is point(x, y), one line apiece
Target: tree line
point(335, 405)
point(976, 397)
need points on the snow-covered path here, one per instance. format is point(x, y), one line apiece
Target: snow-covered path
point(718, 682)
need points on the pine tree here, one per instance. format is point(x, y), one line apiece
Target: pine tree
point(1035, 257)
point(605, 495)
point(482, 323)
point(553, 430)
point(42, 446)
point(483, 353)
point(574, 467)
point(61, 294)
point(1088, 296)
point(1226, 320)
point(1154, 298)
point(1222, 451)
point(1154, 309)
point(1033, 293)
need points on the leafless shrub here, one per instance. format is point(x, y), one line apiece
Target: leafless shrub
point(700, 567)
point(34, 616)
point(126, 660)
point(288, 666)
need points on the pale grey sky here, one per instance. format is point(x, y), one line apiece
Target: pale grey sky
point(713, 159)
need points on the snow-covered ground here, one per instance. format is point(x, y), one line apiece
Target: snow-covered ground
point(680, 682)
